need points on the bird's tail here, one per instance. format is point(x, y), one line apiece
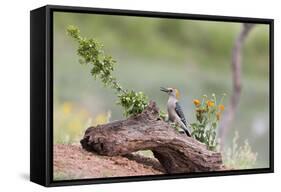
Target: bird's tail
point(186, 129)
point(187, 132)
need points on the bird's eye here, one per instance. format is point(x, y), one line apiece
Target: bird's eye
point(171, 90)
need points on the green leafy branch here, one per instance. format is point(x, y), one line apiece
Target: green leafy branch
point(91, 53)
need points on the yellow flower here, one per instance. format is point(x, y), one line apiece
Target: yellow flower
point(218, 115)
point(210, 103)
point(221, 107)
point(67, 108)
point(196, 102)
point(102, 118)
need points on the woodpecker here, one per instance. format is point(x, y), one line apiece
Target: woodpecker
point(174, 109)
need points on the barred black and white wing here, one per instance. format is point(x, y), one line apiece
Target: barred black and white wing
point(181, 115)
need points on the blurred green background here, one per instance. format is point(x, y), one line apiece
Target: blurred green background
point(193, 56)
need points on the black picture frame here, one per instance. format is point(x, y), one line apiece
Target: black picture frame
point(41, 99)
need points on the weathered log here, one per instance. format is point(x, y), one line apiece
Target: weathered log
point(146, 131)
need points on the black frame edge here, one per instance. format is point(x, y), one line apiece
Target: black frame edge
point(158, 14)
point(158, 177)
point(38, 137)
point(271, 94)
point(49, 96)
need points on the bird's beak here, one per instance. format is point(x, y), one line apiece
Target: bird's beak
point(164, 89)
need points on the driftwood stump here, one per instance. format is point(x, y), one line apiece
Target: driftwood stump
point(146, 131)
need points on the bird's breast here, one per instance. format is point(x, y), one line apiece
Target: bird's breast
point(171, 105)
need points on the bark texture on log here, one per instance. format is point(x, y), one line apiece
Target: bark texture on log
point(146, 131)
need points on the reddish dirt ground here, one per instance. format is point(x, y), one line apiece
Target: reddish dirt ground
point(73, 162)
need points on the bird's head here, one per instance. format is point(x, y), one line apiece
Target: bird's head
point(171, 92)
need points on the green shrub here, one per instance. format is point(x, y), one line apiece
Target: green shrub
point(91, 53)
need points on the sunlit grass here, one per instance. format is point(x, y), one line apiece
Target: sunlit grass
point(145, 153)
point(239, 156)
point(70, 122)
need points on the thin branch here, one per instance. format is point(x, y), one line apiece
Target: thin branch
point(236, 79)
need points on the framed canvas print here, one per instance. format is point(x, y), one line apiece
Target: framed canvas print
point(122, 95)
